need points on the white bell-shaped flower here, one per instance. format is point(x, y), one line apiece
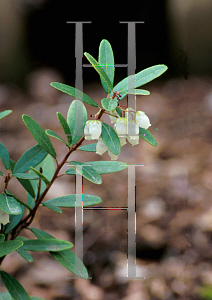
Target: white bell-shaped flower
point(133, 129)
point(121, 127)
point(112, 156)
point(100, 147)
point(130, 114)
point(122, 141)
point(114, 113)
point(4, 217)
point(93, 129)
point(133, 141)
point(142, 120)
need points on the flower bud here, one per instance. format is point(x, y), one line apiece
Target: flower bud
point(4, 217)
point(142, 120)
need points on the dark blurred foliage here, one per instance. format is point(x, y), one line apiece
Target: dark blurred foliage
point(52, 41)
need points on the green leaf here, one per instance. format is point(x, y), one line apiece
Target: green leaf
point(55, 135)
point(19, 201)
point(86, 171)
point(119, 111)
point(99, 69)
point(25, 176)
point(15, 289)
point(42, 177)
point(65, 127)
point(48, 168)
point(77, 94)
point(9, 246)
point(138, 92)
point(6, 296)
point(4, 156)
point(109, 104)
point(1, 174)
point(12, 164)
point(14, 220)
point(147, 136)
point(39, 134)
point(76, 119)
point(88, 148)
point(26, 183)
point(9, 205)
point(69, 200)
point(5, 113)
point(110, 139)
point(52, 207)
point(31, 158)
point(105, 167)
point(141, 78)
point(66, 258)
point(2, 237)
point(46, 245)
point(106, 60)
point(25, 255)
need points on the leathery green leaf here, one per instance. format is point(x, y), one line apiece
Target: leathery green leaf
point(7, 247)
point(65, 127)
point(39, 135)
point(74, 93)
point(4, 156)
point(99, 69)
point(86, 171)
point(66, 258)
point(9, 205)
point(31, 158)
point(15, 289)
point(106, 61)
point(76, 119)
point(69, 200)
point(110, 139)
point(109, 104)
point(147, 136)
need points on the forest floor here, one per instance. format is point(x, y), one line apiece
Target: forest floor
point(173, 197)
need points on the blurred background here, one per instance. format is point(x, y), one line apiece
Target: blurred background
point(173, 189)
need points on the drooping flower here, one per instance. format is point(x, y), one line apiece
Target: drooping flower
point(121, 127)
point(133, 129)
point(100, 147)
point(4, 217)
point(112, 156)
point(93, 129)
point(142, 120)
point(133, 141)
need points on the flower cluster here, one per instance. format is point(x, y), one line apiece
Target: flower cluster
point(127, 129)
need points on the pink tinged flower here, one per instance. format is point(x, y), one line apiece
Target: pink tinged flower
point(142, 120)
point(93, 129)
point(100, 147)
point(121, 127)
point(4, 217)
